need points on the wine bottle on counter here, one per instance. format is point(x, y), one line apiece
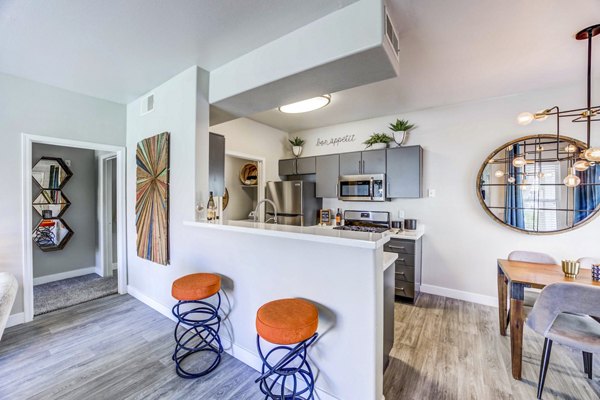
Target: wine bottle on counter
point(338, 218)
point(211, 208)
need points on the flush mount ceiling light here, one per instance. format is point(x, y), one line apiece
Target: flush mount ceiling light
point(306, 105)
point(586, 114)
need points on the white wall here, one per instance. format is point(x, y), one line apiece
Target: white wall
point(252, 138)
point(38, 109)
point(242, 200)
point(175, 111)
point(462, 242)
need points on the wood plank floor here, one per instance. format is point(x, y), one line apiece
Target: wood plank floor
point(118, 348)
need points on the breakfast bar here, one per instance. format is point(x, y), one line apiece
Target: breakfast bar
point(341, 272)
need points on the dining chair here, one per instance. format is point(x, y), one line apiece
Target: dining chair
point(531, 295)
point(562, 314)
point(587, 262)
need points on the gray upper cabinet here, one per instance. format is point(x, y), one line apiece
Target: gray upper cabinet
point(350, 163)
point(404, 172)
point(373, 162)
point(306, 165)
point(328, 171)
point(287, 167)
point(216, 164)
point(297, 166)
point(362, 162)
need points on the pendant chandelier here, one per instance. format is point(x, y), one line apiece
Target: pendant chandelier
point(581, 161)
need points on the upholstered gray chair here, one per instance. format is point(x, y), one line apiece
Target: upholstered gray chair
point(531, 295)
point(587, 262)
point(562, 315)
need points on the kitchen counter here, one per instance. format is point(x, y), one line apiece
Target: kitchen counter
point(305, 233)
point(389, 259)
point(347, 275)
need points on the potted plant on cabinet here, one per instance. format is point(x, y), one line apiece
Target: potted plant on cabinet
point(400, 130)
point(297, 144)
point(378, 141)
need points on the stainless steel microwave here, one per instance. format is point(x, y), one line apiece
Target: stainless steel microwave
point(362, 187)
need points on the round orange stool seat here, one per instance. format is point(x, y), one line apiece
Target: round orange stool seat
point(287, 321)
point(196, 286)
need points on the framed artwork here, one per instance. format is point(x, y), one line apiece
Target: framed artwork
point(152, 198)
point(325, 217)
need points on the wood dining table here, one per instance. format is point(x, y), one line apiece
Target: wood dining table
point(517, 276)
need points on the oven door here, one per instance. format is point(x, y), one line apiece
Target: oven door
point(355, 188)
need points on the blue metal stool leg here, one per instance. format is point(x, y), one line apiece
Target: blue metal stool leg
point(293, 365)
point(197, 331)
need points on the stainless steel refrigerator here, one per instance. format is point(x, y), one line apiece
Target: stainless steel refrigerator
point(296, 202)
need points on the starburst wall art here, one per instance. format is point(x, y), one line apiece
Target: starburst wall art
point(152, 198)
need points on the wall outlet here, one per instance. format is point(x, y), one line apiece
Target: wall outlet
point(68, 163)
point(431, 193)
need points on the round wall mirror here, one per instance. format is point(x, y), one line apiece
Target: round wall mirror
point(540, 185)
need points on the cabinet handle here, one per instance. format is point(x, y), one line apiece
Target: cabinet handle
point(359, 167)
point(401, 273)
point(363, 166)
point(402, 260)
point(397, 247)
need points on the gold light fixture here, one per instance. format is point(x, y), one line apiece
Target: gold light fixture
point(519, 162)
point(586, 114)
point(581, 165)
point(572, 180)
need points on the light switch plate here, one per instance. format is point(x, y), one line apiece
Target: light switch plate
point(431, 193)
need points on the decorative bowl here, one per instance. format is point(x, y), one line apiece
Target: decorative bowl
point(570, 268)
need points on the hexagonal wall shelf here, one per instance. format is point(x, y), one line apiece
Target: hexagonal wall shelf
point(51, 173)
point(52, 234)
point(51, 203)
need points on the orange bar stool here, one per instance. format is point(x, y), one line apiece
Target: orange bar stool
point(200, 322)
point(292, 325)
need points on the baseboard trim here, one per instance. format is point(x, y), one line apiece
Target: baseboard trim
point(460, 295)
point(63, 275)
point(15, 319)
point(166, 311)
point(247, 357)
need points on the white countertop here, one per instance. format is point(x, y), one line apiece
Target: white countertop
point(412, 235)
point(308, 233)
point(389, 259)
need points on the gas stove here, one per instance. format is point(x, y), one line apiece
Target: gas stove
point(366, 221)
point(368, 229)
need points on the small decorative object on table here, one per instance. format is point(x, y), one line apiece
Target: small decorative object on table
point(378, 141)
point(596, 272)
point(570, 268)
point(297, 144)
point(400, 130)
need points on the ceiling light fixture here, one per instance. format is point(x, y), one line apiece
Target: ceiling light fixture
point(586, 114)
point(306, 105)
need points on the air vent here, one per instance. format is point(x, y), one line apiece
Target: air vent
point(147, 104)
point(391, 34)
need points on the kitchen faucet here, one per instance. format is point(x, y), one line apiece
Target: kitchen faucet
point(274, 209)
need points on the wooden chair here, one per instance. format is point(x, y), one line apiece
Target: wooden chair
point(562, 314)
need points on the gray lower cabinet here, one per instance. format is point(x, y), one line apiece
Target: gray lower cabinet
point(404, 172)
point(373, 162)
point(351, 163)
point(216, 164)
point(327, 174)
point(408, 267)
point(297, 166)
